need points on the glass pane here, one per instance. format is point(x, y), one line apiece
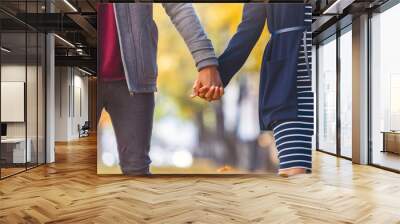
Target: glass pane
point(385, 84)
point(346, 94)
point(32, 88)
point(31, 98)
point(327, 97)
point(41, 99)
point(13, 86)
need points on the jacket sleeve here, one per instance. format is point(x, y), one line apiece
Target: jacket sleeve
point(185, 19)
point(242, 43)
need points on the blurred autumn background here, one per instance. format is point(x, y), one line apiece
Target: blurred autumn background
point(192, 135)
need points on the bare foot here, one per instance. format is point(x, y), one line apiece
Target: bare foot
point(291, 172)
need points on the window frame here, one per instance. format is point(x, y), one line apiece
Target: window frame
point(333, 37)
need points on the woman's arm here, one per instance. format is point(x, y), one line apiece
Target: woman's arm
point(185, 19)
point(241, 44)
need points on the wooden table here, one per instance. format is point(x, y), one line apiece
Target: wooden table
point(391, 141)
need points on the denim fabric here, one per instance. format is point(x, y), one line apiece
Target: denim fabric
point(132, 119)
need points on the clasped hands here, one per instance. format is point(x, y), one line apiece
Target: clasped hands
point(208, 84)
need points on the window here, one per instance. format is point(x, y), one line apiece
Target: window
point(346, 93)
point(22, 88)
point(327, 96)
point(385, 89)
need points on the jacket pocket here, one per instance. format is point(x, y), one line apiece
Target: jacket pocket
point(279, 87)
point(148, 45)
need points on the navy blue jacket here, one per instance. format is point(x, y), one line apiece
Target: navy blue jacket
point(277, 97)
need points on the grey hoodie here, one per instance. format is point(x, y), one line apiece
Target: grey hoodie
point(138, 37)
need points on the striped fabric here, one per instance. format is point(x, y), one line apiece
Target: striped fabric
point(293, 138)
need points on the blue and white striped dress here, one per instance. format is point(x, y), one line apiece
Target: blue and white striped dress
point(294, 138)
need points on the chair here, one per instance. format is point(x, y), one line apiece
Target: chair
point(84, 130)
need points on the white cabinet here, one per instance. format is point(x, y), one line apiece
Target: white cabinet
point(19, 154)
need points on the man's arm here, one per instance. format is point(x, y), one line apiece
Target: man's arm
point(242, 43)
point(185, 19)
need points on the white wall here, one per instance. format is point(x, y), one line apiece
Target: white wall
point(71, 102)
point(80, 111)
point(62, 81)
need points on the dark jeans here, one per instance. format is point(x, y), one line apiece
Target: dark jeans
point(132, 119)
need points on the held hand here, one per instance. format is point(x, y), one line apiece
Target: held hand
point(208, 84)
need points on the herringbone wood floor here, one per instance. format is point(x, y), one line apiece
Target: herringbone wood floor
point(69, 191)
